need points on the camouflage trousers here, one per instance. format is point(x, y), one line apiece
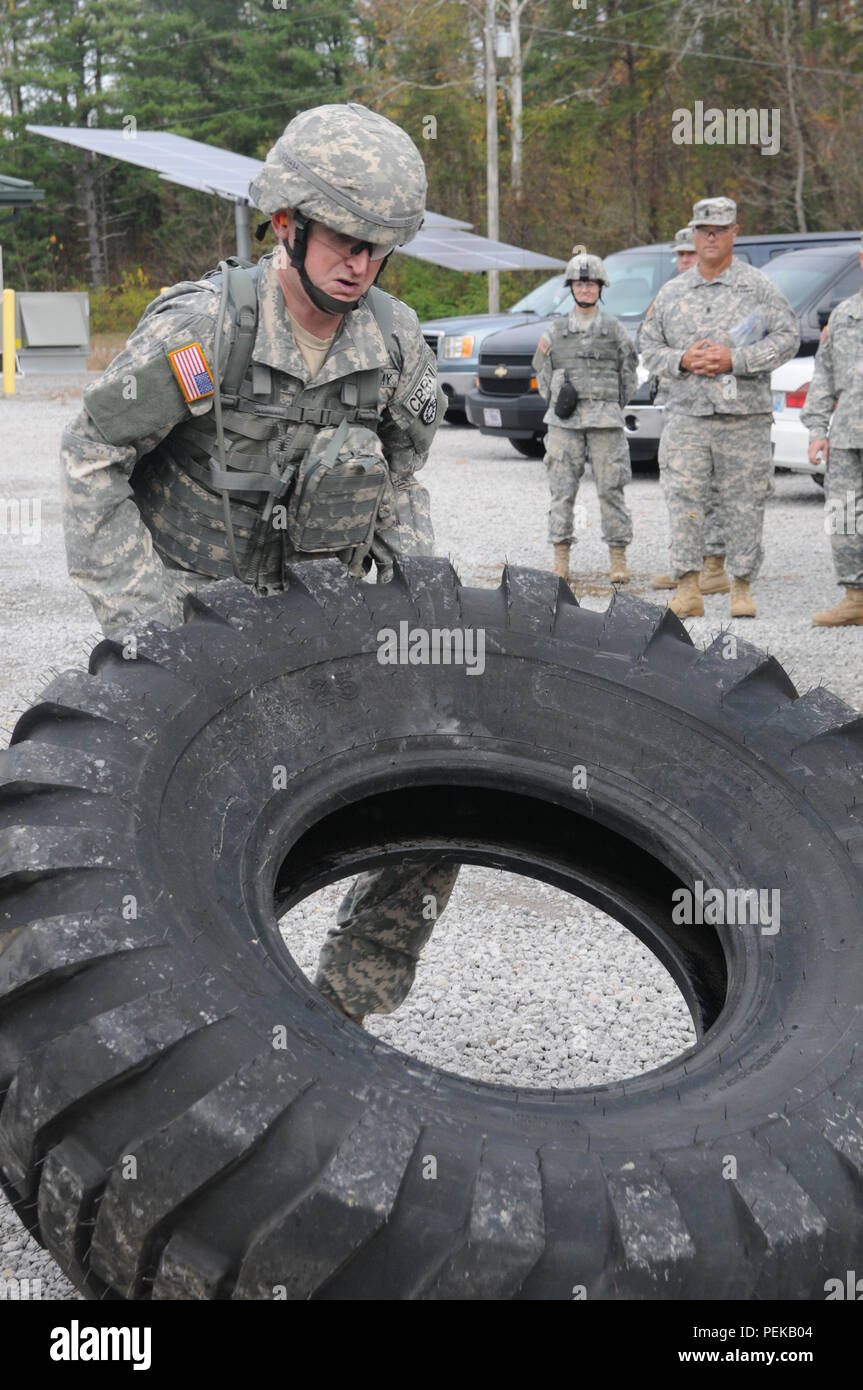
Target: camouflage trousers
point(368, 961)
point(843, 514)
point(714, 541)
point(566, 455)
point(728, 453)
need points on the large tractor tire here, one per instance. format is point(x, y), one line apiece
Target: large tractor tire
point(185, 1117)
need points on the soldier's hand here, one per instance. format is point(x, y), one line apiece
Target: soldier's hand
point(695, 359)
point(717, 359)
point(818, 449)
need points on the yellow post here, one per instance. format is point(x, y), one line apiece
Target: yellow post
point(9, 342)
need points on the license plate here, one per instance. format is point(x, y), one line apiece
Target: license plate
point(779, 400)
point(491, 417)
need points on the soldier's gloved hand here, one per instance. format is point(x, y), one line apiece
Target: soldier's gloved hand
point(567, 400)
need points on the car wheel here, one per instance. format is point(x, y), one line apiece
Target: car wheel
point(533, 448)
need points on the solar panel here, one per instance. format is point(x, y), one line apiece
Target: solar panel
point(444, 241)
point(190, 162)
point(465, 251)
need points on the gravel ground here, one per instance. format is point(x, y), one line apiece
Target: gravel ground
point(521, 983)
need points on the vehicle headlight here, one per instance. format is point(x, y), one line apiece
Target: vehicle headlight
point(457, 345)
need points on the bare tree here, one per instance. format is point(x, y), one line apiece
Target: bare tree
point(799, 144)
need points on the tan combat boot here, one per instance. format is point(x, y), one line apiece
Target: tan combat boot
point(561, 559)
point(847, 613)
point(687, 601)
point(713, 578)
point(741, 599)
point(662, 581)
point(617, 556)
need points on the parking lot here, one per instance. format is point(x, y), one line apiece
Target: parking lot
point(481, 1003)
point(489, 505)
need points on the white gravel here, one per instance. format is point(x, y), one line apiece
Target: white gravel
point(521, 983)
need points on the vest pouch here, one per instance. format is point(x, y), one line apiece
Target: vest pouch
point(342, 484)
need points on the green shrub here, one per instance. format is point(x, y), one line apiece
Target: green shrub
point(117, 308)
point(435, 293)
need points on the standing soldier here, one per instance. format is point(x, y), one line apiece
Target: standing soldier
point(838, 379)
point(586, 369)
point(716, 333)
point(713, 578)
point(227, 394)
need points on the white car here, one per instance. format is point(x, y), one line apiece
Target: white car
point(790, 384)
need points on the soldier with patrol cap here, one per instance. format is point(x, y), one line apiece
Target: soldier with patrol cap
point(838, 380)
point(194, 457)
point(713, 578)
point(586, 369)
point(716, 333)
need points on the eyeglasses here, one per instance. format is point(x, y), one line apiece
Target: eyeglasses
point(711, 231)
point(348, 245)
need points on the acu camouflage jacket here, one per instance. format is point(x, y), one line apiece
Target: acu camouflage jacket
point(138, 402)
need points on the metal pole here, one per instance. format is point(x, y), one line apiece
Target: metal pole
point(244, 240)
point(9, 342)
point(490, 38)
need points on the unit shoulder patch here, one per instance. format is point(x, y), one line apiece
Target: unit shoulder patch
point(193, 375)
point(422, 397)
point(544, 344)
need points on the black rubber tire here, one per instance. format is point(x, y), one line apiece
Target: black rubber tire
point(161, 1146)
point(533, 448)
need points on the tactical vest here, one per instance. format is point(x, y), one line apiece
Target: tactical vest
point(590, 361)
point(209, 508)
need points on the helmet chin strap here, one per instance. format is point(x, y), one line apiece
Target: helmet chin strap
point(297, 254)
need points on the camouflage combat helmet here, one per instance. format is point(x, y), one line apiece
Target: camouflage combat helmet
point(585, 267)
point(351, 169)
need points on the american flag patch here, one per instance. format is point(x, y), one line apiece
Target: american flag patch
point(192, 372)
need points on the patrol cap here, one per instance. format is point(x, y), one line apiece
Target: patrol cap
point(683, 240)
point(583, 266)
point(351, 169)
point(714, 212)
